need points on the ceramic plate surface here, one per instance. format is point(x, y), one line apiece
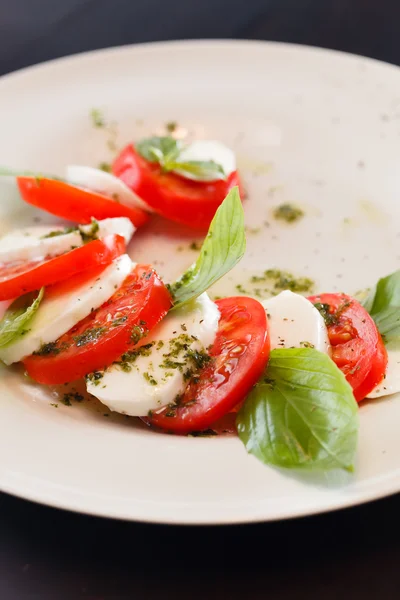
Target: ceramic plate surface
point(316, 128)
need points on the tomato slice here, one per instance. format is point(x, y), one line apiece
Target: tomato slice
point(357, 346)
point(74, 203)
point(174, 197)
point(240, 353)
point(19, 277)
point(107, 333)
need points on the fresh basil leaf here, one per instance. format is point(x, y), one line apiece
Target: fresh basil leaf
point(222, 249)
point(166, 150)
point(207, 170)
point(383, 304)
point(6, 172)
point(17, 317)
point(159, 149)
point(302, 414)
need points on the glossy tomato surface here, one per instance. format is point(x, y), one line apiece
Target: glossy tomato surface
point(107, 333)
point(192, 203)
point(74, 203)
point(357, 346)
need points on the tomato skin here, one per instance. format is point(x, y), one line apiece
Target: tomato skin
point(239, 356)
point(357, 346)
point(21, 277)
point(141, 302)
point(73, 203)
point(192, 203)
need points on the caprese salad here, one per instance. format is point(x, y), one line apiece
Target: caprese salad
point(181, 182)
point(290, 369)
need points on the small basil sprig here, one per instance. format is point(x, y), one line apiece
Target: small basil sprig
point(302, 414)
point(222, 249)
point(201, 170)
point(166, 151)
point(383, 304)
point(161, 150)
point(17, 317)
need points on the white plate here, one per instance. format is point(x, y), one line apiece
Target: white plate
point(309, 126)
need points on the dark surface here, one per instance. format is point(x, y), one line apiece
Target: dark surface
point(51, 554)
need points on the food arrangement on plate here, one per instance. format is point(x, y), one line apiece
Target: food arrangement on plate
point(286, 372)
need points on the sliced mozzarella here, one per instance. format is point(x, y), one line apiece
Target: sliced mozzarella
point(205, 150)
point(391, 383)
point(104, 183)
point(295, 323)
point(147, 383)
point(117, 225)
point(32, 244)
point(59, 313)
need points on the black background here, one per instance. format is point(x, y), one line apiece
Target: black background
point(45, 553)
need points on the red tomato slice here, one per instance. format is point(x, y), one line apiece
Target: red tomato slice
point(357, 347)
point(74, 203)
point(19, 277)
point(240, 353)
point(176, 198)
point(107, 333)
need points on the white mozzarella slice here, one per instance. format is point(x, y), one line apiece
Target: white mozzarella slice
point(57, 314)
point(391, 383)
point(117, 226)
point(295, 323)
point(205, 150)
point(31, 243)
point(148, 383)
point(104, 183)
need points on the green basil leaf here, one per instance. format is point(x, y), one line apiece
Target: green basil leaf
point(159, 149)
point(302, 414)
point(383, 304)
point(166, 150)
point(17, 317)
point(222, 249)
point(207, 170)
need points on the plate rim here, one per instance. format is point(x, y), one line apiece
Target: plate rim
point(154, 46)
point(119, 515)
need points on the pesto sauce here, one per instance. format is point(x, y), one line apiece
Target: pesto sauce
point(324, 310)
point(307, 345)
point(149, 378)
point(288, 213)
point(59, 232)
point(129, 358)
point(284, 280)
point(137, 333)
point(196, 246)
point(331, 317)
point(95, 377)
point(91, 234)
point(97, 118)
point(204, 433)
point(51, 349)
point(171, 126)
point(119, 321)
point(105, 166)
point(89, 336)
